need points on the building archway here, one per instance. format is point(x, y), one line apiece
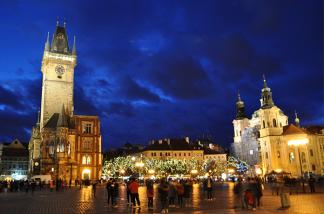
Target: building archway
point(86, 174)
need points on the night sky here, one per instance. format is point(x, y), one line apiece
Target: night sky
point(156, 69)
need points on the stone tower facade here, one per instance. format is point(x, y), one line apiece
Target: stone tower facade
point(58, 76)
point(63, 145)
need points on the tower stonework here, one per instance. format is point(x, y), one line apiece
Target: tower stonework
point(58, 76)
point(63, 145)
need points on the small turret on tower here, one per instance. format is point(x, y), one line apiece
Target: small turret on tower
point(240, 109)
point(74, 47)
point(47, 43)
point(266, 95)
point(297, 121)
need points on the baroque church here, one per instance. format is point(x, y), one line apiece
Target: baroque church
point(63, 145)
point(269, 143)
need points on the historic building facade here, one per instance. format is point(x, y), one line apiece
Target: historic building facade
point(182, 149)
point(13, 160)
point(266, 140)
point(64, 145)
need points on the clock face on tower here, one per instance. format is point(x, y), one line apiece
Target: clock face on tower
point(59, 70)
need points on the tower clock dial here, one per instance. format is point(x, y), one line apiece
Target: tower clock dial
point(59, 70)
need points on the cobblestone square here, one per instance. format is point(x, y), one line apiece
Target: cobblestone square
point(75, 200)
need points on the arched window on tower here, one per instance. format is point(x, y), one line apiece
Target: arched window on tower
point(274, 123)
point(84, 160)
point(263, 124)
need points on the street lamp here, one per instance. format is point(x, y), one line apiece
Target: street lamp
point(194, 172)
point(297, 143)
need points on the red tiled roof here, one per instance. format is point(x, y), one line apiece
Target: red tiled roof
point(292, 129)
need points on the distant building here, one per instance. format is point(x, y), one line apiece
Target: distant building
point(166, 149)
point(63, 145)
point(265, 140)
point(13, 160)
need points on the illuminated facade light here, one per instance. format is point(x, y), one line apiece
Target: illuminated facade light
point(297, 142)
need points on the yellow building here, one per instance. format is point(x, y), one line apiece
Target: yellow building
point(64, 145)
point(173, 149)
point(295, 150)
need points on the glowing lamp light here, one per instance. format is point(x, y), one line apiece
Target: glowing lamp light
point(122, 171)
point(52, 169)
point(133, 158)
point(258, 171)
point(194, 171)
point(224, 176)
point(151, 171)
point(278, 170)
point(231, 171)
point(297, 142)
point(139, 164)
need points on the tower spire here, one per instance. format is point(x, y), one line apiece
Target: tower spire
point(47, 43)
point(297, 121)
point(264, 82)
point(74, 47)
point(240, 109)
point(266, 95)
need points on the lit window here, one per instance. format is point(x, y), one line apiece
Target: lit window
point(291, 156)
point(87, 128)
point(251, 152)
point(86, 159)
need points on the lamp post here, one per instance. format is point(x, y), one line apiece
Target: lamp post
point(297, 143)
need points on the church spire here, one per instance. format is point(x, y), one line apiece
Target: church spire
point(297, 121)
point(266, 95)
point(74, 47)
point(62, 120)
point(47, 43)
point(240, 109)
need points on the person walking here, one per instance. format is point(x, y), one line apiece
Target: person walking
point(128, 193)
point(180, 192)
point(133, 187)
point(94, 188)
point(311, 183)
point(163, 195)
point(115, 193)
point(209, 187)
point(238, 194)
point(109, 191)
point(172, 193)
point(149, 194)
point(187, 192)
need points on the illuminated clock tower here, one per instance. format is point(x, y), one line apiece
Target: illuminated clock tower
point(58, 76)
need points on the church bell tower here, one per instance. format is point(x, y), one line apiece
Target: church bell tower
point(58, 66)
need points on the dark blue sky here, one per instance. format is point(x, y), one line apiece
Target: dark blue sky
point(155, 69)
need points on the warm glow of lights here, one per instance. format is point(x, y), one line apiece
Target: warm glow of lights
point(133, 158)
point(151, 171)
point(258, 171)
point(139, 164)
point(122, 171)
point(224, 176)
point(194, 171)
point(52, 169)
point(297, 142)
point(231, 170)
point(207, 174)
point(278, 170)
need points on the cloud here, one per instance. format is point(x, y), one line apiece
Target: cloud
point(10, 98)
point(131, 90)
point(181, 77)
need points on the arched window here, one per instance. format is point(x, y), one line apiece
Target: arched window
point(263, 124)
point(88, 160)
point(84, 160)
point(274, 123)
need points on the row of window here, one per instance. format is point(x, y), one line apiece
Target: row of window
point(86, 159)
point(184, 154)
